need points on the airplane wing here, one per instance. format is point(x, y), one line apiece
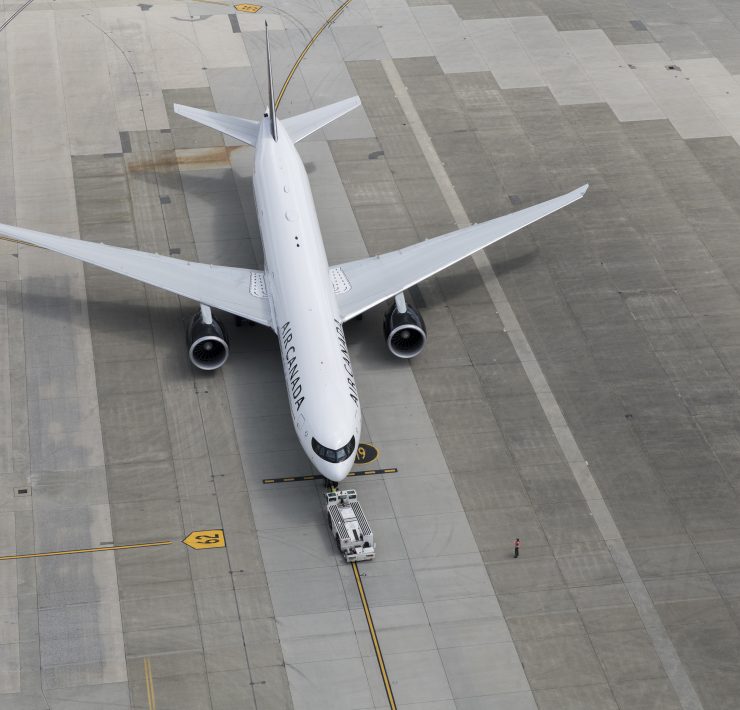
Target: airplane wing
point(360, 285)
point(238, 291)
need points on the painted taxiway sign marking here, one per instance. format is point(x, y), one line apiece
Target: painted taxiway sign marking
point(198, 540)
point(313, 477)
point(366, 453)
point(244, 7)
point(205, 539)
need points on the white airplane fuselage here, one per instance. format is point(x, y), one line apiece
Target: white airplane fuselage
point(321, 387)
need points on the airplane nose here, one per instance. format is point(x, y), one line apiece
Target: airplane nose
point(337, 472)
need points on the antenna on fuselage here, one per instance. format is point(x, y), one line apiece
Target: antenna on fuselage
point(270, 92)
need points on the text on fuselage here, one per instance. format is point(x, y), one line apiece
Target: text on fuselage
point(291, 365)
point(346, 362)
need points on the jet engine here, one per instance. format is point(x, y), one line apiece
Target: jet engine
point(208, 343)
point(404, 329)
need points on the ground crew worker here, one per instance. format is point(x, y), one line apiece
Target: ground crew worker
point(517, 543)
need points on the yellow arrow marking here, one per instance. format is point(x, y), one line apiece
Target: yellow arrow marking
point(248, 8)
point(203, 539)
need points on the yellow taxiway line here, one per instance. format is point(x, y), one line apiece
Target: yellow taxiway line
point(374, 637)
point(89, 549)
point(149, 685)
point(331, 19)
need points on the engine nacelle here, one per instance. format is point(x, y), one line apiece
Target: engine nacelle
point(405, 333)
point(208, 343)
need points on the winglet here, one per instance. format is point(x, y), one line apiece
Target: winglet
point(271, 93)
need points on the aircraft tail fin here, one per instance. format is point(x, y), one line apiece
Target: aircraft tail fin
point(270, 90)
point(242, 129)
point(297, 127)
point(304, 124)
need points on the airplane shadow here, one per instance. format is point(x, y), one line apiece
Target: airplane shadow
point(506, 266)
point(139, 320)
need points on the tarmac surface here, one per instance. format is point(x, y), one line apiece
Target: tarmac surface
point(580, 389)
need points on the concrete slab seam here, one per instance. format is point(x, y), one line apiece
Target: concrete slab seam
point(664, 647)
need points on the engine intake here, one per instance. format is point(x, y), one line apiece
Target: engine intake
point(207, 342)
point(405, 333)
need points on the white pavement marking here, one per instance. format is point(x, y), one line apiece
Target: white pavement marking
point(65, 440)
point(664, 647)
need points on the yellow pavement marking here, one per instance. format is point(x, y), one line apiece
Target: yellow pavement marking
point(149, 685)
point(89, 549)
point(202, 539)
point(374, 637)
point(331, 19)
point(312, 477)
point(15, 14)
point(366, 453)
point(244, 7)
point(371, 472)
point(198, 540)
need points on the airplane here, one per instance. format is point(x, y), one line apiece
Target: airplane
point(297, 294)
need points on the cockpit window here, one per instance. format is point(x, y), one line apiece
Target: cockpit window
point(334, 455)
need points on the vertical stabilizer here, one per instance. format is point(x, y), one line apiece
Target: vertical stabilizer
point(271, 93)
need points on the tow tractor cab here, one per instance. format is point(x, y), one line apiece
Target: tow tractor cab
point(349, 526)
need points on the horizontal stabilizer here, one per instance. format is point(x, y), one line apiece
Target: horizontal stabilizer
point(304, 124)
point(242, 129)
